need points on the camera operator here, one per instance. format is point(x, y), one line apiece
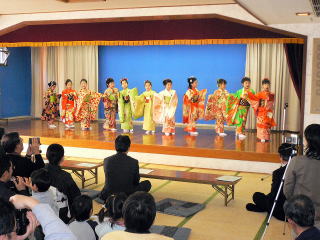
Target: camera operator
point(12, 144)
point(302, 176)
point(53, 227)
point(263, 202)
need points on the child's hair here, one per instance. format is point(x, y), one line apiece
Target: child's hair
point(83, 80)
point(124, 79)
point(221, 81)
point(67, 81)
point(166, 81)
point(266, 81)
point(191, 80)
point(52, 83)
point(41, 178)
point(108, 81)
point(147, 81)
point(113, 208)
point(82, 208)
point(245, 79)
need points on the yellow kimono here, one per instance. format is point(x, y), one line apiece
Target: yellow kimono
point(143, 107)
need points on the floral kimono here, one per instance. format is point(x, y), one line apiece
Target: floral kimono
point(125, 107)
point(164, 107)
point(216, 108)
point(143, 107)
point(51, 109)
point(87, 106)
point(263, 105)
point(69, 97)
point(193, 108)
point(237, 109)
point(110, 102)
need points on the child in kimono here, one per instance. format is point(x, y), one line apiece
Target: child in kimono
point(69, 97)
point(110, 102)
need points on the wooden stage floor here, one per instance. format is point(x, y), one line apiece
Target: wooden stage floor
point(207, 144)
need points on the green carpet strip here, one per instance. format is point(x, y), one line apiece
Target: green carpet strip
point(261, 229)
point(209, 199)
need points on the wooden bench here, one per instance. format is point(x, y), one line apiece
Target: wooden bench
point(225, 188)
point(79, 168)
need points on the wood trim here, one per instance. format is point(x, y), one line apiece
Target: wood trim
point(303, 93)
point(250, 12)
point(150, 18)
point(168, 150)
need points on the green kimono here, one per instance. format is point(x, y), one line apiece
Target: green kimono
point(125, 107)
point(237, 109)
point(143, 107)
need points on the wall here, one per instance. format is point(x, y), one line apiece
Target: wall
point(15, 84)
point(155, 63)
point(312, 30)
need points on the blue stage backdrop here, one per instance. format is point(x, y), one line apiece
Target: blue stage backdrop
point(155, 63)
point(15, 84)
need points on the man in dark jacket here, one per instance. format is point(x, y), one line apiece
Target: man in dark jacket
point(62, 181)
point(12, 144)
point(263, 202)
point(122, 171)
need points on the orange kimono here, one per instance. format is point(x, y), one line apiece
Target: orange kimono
point(263, 106)
point(193, 108)
point(69, 97)
point(87, 106)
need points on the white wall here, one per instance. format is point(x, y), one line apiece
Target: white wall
point(312, 30)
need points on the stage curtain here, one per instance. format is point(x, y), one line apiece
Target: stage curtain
point(269, 61)
point(59, 64)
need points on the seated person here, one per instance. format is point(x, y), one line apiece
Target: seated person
point(263, 202)
point(67, 189)
point(83, 227)
point(12, 144)
point(6, 169)
point(122, 171)
point(110, 216)
point(300, 213)
point(139, 212)
point(54, 228)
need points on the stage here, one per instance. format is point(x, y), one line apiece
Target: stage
point(206, 145)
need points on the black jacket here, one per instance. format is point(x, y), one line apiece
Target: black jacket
point(121, 174)
point(276, 181)
point(23, 166)
point(312, 233)
point(65, 184)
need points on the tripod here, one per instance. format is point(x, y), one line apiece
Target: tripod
point(276, 199)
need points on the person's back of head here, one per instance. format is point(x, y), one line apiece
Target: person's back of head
point(55, 154)
point(113, 208)
point(5, 168)
point(312, 136)
point(10, 141)
point(286, 150)
point(7, 220)
point(82, 208)
point(122, 143)
point(41, 179)
point(139, 212)
point(300, 210)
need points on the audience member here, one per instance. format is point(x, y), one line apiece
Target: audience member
point(12, 144)
point(54, 228)
point(302, 173)
point(122, 171)
point(300, 213)
point(263, 202)
point(67, 189)
point(6, 169)
point(83, 227)
point(139, 212)
point(110, 216)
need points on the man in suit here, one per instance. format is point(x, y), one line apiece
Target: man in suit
point(122, 171)
point(263, 202)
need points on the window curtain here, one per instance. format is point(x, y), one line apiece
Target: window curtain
point(269, 61)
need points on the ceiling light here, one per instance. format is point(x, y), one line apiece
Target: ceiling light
point(303, 14)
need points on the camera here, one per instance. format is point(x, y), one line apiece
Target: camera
point(21, 221)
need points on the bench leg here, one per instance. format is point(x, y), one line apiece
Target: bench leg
point(223, 190)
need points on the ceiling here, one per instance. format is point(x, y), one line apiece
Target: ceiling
point(268, 11)
point(40, 6)
point(280, 11)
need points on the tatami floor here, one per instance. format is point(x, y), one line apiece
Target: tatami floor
point(216, 221)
